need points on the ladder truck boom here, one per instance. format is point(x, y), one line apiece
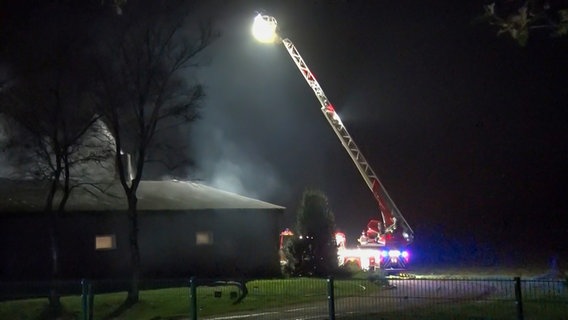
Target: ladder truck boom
point(391, 215)
point(394, 229)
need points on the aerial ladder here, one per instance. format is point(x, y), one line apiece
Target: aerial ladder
point(392, 231)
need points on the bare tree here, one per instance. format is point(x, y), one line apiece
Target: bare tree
point(56, 146)
point(48, 96)
point(145, 67)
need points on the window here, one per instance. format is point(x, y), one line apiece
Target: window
point(203, 238)
point(105, 242)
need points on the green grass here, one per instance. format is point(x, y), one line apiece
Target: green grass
point(173, 303)
point(267, 294)
point(23, 310)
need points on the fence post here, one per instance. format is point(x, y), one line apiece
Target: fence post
point(85, 298)
point(519, 299)
point(330, 298)
point(193, 298)
point(91, 300)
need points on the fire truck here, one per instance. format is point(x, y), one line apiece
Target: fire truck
point(383, 241)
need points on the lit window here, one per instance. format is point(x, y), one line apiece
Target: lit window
point(203, 238)
point(105, 242)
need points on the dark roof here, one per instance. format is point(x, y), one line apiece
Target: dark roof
point(26, 195)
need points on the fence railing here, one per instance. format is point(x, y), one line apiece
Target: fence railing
point(297, 298)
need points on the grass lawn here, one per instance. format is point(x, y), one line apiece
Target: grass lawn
point(174, 303)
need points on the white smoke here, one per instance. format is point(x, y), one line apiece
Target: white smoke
point(95, 157)
point(92, 158)
point(235, 167)
point(16, 160)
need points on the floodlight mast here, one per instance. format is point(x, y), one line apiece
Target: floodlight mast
point(391, 215)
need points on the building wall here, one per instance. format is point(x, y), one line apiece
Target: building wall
point(235, 243)
point(243, 243)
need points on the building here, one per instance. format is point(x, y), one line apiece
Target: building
point(186, 229)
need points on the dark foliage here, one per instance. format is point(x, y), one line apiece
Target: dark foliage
point(313, 251)
point(522, 19)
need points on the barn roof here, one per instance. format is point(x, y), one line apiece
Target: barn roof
point(174, 195)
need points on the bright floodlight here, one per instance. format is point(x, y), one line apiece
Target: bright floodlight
point(264, 29)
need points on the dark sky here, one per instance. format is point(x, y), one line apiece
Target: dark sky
point(466, 130)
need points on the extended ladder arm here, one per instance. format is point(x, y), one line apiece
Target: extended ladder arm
point(392, 218)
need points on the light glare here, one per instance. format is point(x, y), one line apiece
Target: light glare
point(394, 253)
point(264, 28)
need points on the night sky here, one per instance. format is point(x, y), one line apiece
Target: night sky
point(466, 130)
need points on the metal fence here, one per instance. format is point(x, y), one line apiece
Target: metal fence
point(298, 298)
